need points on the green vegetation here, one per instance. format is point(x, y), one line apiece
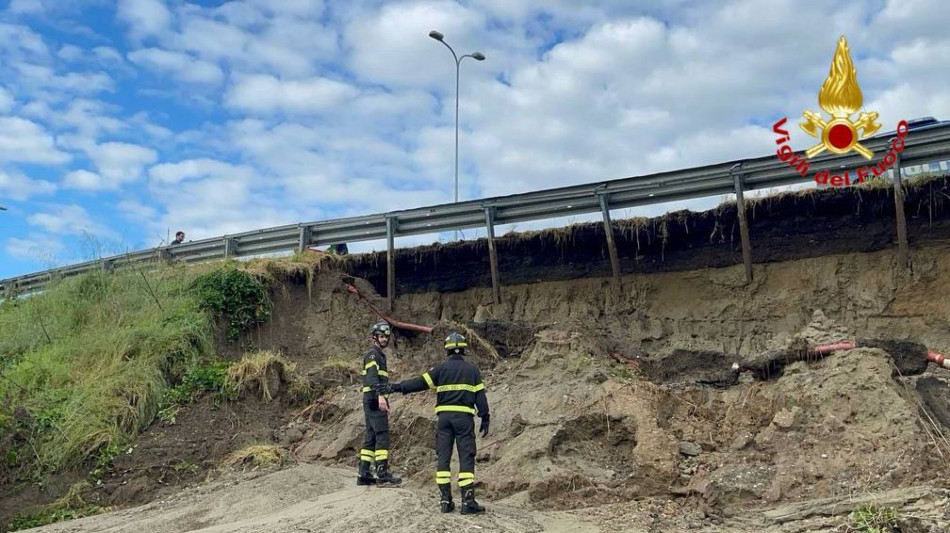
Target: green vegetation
point(89, 363)
point(873, 519)
point(199, 380)
point(238, 296)
point(70, 506)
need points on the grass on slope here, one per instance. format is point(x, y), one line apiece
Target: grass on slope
point(89, 363)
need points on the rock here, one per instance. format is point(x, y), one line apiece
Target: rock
point(740, 442)
point(480, 315)
point(785, 419)
point(690, 449)
point(128, 491)
point(294, 435)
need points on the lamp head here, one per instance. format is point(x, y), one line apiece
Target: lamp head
point(436, 35)
point(479, 56)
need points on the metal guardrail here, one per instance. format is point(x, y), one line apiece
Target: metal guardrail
point(926, 143)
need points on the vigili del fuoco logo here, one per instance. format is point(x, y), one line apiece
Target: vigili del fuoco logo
point(840, 97)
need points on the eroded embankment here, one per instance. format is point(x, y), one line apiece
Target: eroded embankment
point(782, 228)
point(574, 427)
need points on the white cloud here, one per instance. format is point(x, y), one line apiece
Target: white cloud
point(107, 54)
point(20, 42)
point(6, 100)
point(182, 66)
point(145, 18)
point(24, 141)
point(26, 6)
point(85, 180)
point(18, 187)
point(68, 220)
point(40, 76)
point(119, 162)
point(267, 94)
point(36, 246)
point(393, 46)
point(137, 211)
point(193, 169)
point(70, 52)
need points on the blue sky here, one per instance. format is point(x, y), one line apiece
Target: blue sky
point(122, 121)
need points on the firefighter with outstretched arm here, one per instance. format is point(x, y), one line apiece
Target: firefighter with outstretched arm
point(460, 395)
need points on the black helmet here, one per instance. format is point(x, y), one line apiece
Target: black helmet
point(380, 328)
point(455, 341)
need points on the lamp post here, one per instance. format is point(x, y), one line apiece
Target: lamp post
point(478, 56)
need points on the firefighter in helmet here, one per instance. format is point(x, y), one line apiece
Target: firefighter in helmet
point(376, 411)
point(460, 396)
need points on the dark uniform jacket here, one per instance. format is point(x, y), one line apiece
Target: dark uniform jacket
point(375, 372)
point(458, 385)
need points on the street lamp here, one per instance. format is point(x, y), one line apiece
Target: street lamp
point(478, 56)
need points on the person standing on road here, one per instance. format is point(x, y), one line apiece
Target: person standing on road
point(460, 395)
point(376, 411)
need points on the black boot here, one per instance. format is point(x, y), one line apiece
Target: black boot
point(469, 505)
point(445, 491)
point(384, 476)
point(365, 476)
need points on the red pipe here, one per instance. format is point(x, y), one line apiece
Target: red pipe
point(826, 349)
point(394, 323)
point(938, 358)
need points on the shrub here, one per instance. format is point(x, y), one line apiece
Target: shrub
point(237, 296)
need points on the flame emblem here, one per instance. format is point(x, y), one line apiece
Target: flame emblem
point(840, 97)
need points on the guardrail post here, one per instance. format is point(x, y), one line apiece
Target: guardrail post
point(390, 261)
point(903, 253)
point(107, 266)
point(492, 253)
point(743, 224)
point(609, 232)
point(304, 241)
point(230, 247)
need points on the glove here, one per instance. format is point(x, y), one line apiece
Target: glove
point(483, 427)
point(388, 388)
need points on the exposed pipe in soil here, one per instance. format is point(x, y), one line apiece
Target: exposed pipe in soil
point(826, 349)
point(938, 358)
point(392, 322)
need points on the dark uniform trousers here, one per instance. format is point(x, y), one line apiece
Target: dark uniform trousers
point(460, 429)
point(376, 437)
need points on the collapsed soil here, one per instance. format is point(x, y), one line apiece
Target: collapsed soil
point(611, 407)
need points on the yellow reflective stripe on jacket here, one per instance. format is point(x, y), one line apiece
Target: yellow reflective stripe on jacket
point(462, 387)
point(367, 389)
point(456, 345)
point(428, 379)
point(380, 372)
point(371, 363)
point(454, 409)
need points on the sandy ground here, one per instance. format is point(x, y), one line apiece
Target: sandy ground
point(311, 498)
